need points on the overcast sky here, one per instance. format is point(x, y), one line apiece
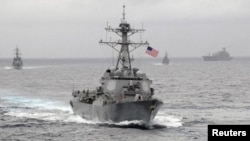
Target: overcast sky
point(73, 28)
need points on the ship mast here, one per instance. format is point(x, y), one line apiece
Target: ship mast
point(124, 31)
point(17, 52)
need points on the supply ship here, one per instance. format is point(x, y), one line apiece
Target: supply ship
point(218, 56)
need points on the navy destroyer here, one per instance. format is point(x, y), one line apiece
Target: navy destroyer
point(165, 59)
point(125, 93)
point(218, 56)
point(17, 61)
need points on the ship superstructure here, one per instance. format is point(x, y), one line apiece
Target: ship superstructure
point(125, 93)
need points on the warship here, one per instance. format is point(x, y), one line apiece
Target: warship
point(218, 56)
point(17, 61)
point(165, 59)
point(125, 92)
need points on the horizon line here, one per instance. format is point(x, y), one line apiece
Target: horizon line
point(111, 57)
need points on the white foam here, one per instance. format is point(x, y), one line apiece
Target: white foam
point(129, 122)
point(168, 120)
point(26, 67)
point(79, 119)
point(49, 116)
point(7, 68)
point(35, 67)
point(38, 103)
point(158, 64)
point(29, 114)
point(122, 123)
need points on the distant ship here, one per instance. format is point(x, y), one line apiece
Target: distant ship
point(218, 56)
point(125, 93)
point(17, 61)
point(165, 59)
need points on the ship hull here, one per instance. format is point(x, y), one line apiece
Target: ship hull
point(18, 67)
point(211, 58)
point(165, 61)
point(128, 111)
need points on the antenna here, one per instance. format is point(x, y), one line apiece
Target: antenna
point(106, 31)
point(141, 32)
point(123, 14)
point(113, 61)
point(17, 53)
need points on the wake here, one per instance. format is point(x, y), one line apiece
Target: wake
point(25, 68)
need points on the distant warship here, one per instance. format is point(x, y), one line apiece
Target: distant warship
point(125, 93)
point(165, 59)
point(218, 56)
point(17, 61)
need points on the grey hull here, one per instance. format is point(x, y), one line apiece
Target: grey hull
point(117, 112)
point(211, 58)
point(18, 67)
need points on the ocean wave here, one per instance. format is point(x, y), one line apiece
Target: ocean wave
point(42, 104)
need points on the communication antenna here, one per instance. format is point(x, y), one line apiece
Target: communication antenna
point(106, 31)
point(123, 14)
point(141, 32)
point(113, 58)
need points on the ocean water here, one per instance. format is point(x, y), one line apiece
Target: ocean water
point(34, 101)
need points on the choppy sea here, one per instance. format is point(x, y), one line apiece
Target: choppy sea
point(34, 101)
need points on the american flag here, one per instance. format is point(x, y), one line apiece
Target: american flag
point(152, 52)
